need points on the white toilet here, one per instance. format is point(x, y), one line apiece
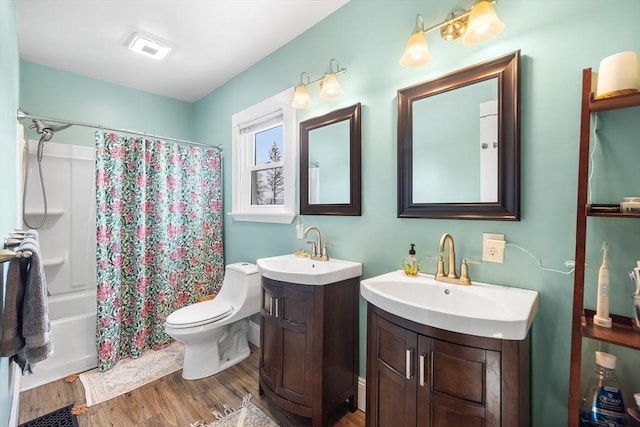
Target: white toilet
point(214, 332)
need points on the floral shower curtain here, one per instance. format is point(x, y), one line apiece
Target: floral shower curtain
point(159, 238)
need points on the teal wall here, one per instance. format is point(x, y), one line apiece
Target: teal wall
point(9, 90)
point(557, 40)
point(49, 92)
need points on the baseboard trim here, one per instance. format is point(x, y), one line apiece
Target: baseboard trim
point(362, 394)
point(253, 336)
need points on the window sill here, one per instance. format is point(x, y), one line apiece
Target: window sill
point(279, 217)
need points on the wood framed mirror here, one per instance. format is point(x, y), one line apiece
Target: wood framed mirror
point(330, 169)
point(459, 144)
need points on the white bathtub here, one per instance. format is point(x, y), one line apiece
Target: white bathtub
point(67, 246)
point(73, 325)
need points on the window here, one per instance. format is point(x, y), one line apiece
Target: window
point(264, 156)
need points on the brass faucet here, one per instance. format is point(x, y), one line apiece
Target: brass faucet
point(451, 276)
point(318, 250)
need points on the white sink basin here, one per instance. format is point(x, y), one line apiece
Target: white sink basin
point(306, 271)
point(481, 309)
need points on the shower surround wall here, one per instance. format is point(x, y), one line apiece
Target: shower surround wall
point(67, 242)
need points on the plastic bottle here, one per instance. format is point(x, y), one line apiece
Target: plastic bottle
point(410, 263)
point(602, 403)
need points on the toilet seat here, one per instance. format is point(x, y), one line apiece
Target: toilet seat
point(199, 314)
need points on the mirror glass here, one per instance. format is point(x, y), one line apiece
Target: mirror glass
point(330, 163)
point(458, 144)
point(469, 107)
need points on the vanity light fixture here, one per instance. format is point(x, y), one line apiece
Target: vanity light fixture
point(329, 86)
point(146, 45)
point(476, 25)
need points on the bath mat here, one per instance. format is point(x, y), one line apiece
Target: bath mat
point(59, 418)
point(130, 374)
point(246, 415)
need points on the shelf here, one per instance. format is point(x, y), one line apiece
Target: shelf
point(606, 210)
point(621, 333)
point(614, 103)
point(39, 213)
point(53, 262)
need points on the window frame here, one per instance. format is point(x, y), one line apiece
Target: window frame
point(263, 112)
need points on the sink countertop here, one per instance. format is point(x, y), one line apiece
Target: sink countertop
point(306, 271)
point(481, 309)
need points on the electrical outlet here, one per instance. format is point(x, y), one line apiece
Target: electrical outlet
point(493, 247)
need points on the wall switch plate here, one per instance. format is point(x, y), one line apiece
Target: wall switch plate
point(493, 247)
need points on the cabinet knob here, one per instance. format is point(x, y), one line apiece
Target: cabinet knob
point(423, 358)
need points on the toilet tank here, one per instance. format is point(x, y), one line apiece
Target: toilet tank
point(241, 287)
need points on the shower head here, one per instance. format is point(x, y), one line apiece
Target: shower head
point(42, 127)
point(47, 134)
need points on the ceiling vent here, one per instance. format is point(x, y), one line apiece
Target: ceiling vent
point(146, 45)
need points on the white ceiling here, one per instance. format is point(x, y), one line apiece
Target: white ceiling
point(212, 40)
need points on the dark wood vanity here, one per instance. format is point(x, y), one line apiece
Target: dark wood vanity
point(309, 346)
point(420, 376)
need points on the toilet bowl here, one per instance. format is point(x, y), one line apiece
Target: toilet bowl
point(214, 332)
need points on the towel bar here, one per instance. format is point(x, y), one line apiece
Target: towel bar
point(8, 255)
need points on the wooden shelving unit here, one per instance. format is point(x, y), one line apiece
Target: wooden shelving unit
point(621, 333)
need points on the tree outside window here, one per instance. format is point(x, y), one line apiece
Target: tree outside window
point(268, 180)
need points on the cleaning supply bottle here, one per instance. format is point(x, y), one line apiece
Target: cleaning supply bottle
point(636, 298)
point(410, 262)
point(602, 403)
point(601, 317)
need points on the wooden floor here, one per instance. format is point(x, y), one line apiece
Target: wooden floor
point(171, 401)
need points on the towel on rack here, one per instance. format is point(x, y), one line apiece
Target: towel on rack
point(35, 310)
point(11, 339)
point(33, 234)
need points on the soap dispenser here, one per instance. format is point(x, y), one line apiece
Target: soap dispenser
point(410, 263)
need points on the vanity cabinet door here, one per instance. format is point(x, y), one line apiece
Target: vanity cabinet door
point(269, 348)
point(295, 324)
point(391, 374)
point(461, 385)
point(287, 341)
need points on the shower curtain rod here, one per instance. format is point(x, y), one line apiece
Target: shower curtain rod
point(23, 115)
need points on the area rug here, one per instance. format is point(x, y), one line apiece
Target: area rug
point(246, 415)
point(129, 374)
point(59, 418)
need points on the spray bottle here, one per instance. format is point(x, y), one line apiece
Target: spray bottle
point(601, 317)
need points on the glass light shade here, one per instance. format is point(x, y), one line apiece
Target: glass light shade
point(301, 98)
point(483, 23)
point(416, 53)
point(330, 87)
